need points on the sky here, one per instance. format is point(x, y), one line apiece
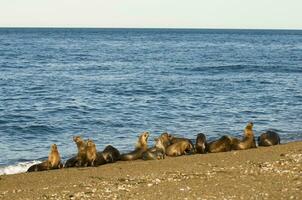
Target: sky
point(247, 14)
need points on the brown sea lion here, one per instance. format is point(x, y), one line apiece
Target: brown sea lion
point(165, 139)
point(72, 162)
point(39, 167)
point(156, 153)
point(174, 140)
point(223, 144)
point(180, 148)
point(91, 153)
point(201, 142)
point(82, 155)
point(248, 140)
point(140, 148)
point(268, 138)
point(113, 154)
point(53, 161)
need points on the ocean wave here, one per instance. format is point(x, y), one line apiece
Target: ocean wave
point(18, 168)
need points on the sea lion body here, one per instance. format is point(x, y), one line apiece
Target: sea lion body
point(165, 139)
point(223, 144)
point(174, 140)
point(201, 142)
point(140, 148)
point(82, 154)
point(91, 153)
point(156, 153)
point(269, 138)
point(39, 167)
point(180, 148)
point(248, 140)
point(54, 158)
point(111, 154)
point(71, 162)
point(53, 161)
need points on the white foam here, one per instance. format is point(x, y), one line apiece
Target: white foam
point(18, 168)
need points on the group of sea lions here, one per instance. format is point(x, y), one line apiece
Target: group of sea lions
point(165, 145)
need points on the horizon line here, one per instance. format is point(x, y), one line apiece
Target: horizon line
point(175, 28)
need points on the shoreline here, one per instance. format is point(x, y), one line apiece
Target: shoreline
point(262, 173)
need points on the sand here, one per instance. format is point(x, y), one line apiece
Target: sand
point(262, 173)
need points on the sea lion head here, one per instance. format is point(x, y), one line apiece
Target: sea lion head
point(90, 143)
point(77, 139)
point(54, 147)
point(144, 136)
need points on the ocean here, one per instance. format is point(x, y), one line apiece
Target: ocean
point(109, 85)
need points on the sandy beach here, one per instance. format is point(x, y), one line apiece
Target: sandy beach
point(262, 173)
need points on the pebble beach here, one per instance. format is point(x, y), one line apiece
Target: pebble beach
point(262, 173)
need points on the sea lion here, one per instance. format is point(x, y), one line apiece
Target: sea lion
point(248, 140)
point(180, 148)
point(39, 167)
point(174, 140)
point(223, 144)
point(201, 142)
point(53, 161)
point(268, 138)
point(82, 155)
point(54, 158)
point(156, 153)
point(113, 154)
point(165, 139)
point(91, 153)
point(140, 148)
point(71, 162)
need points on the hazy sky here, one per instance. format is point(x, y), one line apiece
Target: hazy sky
point(152, 13)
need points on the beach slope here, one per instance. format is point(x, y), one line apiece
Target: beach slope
point(262, 173)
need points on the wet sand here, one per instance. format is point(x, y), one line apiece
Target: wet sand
point(262, 173)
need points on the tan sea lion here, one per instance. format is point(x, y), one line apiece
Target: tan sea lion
point(248, 140)
point(82, 155)
point(91, 153)
point(174, 140)
point(268, 138)
point(180, 148)
point(140, 148)
point(201, 142)
point(156, 153)
point(165, 139)
point(53, 161)
point(223, 144)
point(54, 158)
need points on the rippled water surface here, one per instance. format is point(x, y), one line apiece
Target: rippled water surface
point(112, 84)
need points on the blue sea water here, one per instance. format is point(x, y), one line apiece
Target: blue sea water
point(111, 84)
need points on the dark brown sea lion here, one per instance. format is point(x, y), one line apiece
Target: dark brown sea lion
point(72, 162)
point(156, 153)
point(269, 138)
point(39, 167)
point(248, 140)
point(223, 144)
point(91, 153)
point(113, 154)
point(180, 148)
point(201, 142)
point(53, 161)
point(140, 148)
